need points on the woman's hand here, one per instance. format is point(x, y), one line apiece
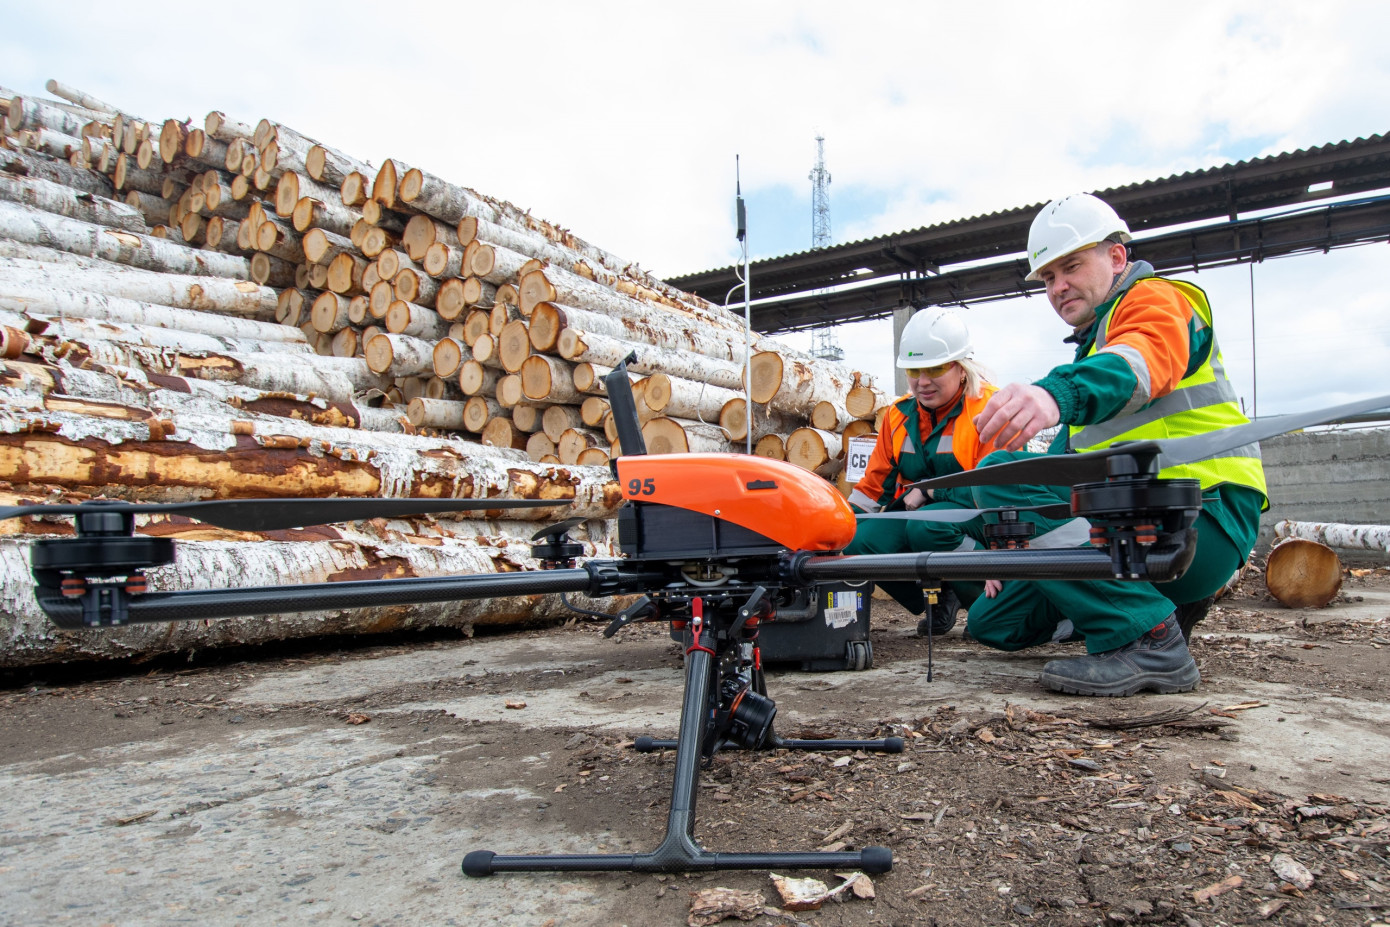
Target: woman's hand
point(992, 588)
point(914, 500)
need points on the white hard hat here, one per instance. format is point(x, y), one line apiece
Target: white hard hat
point(934, 336)
point(1070, 224)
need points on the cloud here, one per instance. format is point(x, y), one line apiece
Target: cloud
point(621, 121)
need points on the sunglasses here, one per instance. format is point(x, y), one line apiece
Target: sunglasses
point(914, 372)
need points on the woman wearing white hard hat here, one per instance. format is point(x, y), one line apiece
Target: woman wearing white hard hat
point(927, 432)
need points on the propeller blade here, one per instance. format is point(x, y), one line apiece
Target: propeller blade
point(1186, 450)
point(275, 514)
point(1070, 469)
point(954, 516)
point(1045, 469)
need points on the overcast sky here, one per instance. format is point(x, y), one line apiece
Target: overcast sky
point(621, 121)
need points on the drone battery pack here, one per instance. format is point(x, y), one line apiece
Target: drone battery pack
point(831, 633)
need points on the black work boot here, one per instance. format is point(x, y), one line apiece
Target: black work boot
point(1158, 660)
point(1191, 613)
point(940, 617)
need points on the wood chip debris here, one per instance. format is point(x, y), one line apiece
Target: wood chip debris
point(712, 905)
point(1205, 895)
point(356, 717)
point(810, 894)
point(1291, 871)
point(515, 704)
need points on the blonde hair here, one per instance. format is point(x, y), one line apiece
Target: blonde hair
point(976, 376)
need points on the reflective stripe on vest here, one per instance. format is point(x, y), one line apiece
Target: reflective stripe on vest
point(1203, 401)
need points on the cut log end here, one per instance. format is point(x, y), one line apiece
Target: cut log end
point(1303, 574)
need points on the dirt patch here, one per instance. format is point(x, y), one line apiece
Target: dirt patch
point(346, 786)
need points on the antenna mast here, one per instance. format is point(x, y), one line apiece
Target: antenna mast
point(824, 344)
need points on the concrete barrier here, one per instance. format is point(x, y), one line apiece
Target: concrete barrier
point(1333, 476)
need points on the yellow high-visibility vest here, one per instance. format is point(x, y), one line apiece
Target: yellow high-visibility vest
point(1204, 401)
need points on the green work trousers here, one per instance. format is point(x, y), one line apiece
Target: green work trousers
point(903, 535)
point(1108, 613)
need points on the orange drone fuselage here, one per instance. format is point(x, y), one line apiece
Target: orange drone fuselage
point(794, 507)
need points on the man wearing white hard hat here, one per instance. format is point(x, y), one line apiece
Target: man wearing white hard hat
point(1146, 366)
point(928, 432)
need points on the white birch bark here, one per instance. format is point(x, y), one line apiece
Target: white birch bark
point(664, 435)
point(36, 166)
point(215, 294)
point(548, 379)
point(331, 166)
point(220, 125)
point(399, 355)
point(35, 300)
point(35, 114)
point(32, 226)
point(403, 318)
point(58, 200)
point(794, 385)
point(609, 352)
point(1332, 534)
point(85, 100)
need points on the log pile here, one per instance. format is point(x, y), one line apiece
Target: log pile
point(234, 309)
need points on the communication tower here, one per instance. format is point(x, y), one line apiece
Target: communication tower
point(820, 198)
point(824, 344)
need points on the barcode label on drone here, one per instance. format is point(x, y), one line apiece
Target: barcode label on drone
point(841, 609)
point(857, 456)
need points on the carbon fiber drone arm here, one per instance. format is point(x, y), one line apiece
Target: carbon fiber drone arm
point(109, 604)
point(1166, 560)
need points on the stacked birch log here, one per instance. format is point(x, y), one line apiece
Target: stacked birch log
point(237, 310)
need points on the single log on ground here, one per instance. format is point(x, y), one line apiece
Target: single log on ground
point(1346, 537)
point(1303, 574)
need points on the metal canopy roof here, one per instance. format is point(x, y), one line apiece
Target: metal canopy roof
point(1226, 191)
point(1313, 228)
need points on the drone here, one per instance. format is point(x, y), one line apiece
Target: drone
point(716, 545)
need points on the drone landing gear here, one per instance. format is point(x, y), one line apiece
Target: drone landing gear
point(744, 720)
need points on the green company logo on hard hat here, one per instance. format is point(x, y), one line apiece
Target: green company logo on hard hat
point(914, 354)
point(1038, 253)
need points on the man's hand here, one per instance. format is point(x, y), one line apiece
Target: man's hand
point(1016, 413)
point(992, 588)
